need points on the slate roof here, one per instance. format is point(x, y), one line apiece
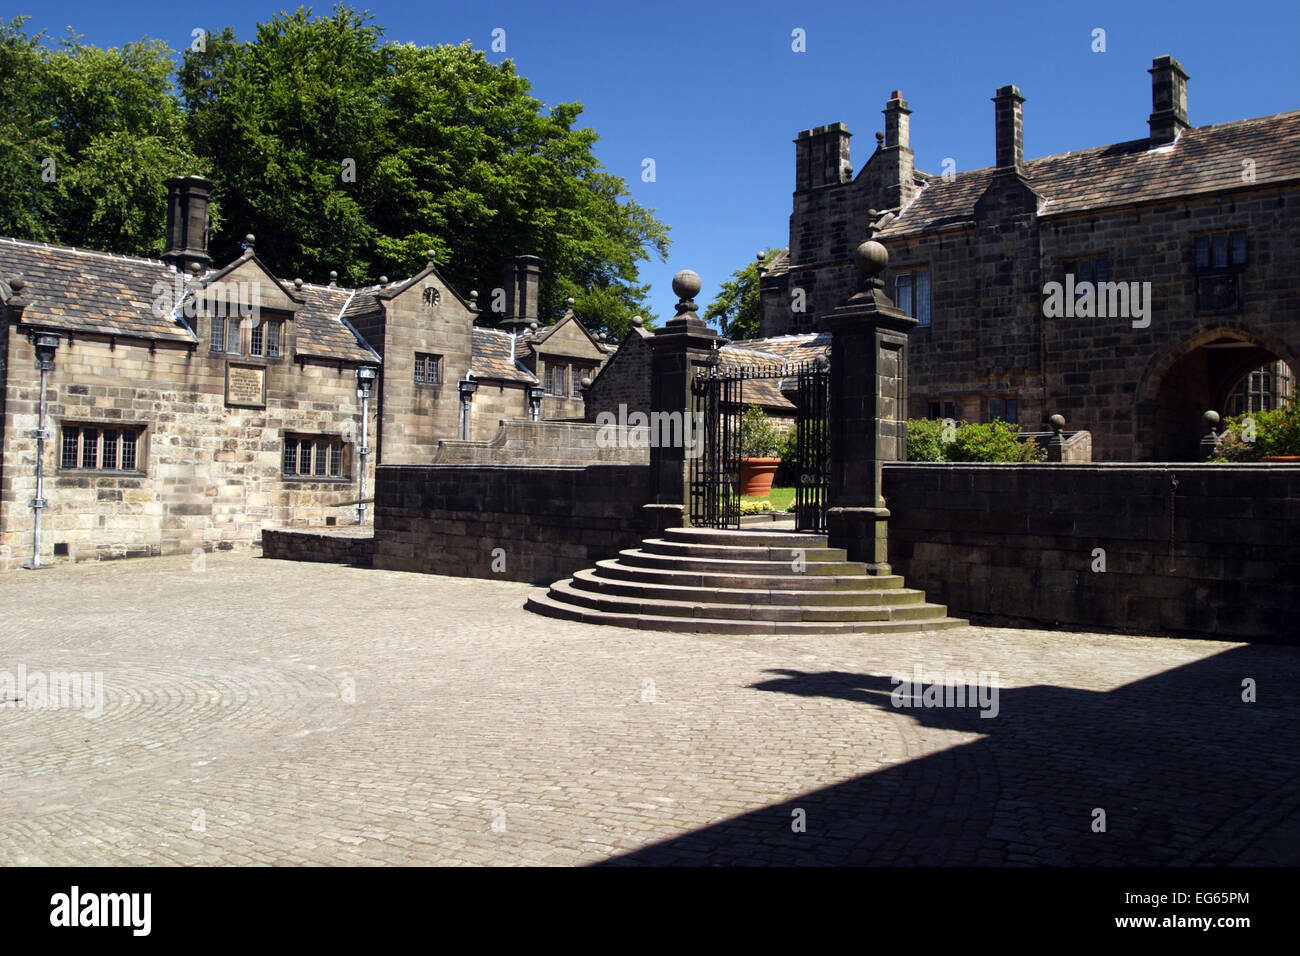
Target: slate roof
point(777, 352)
point(492, 358)
point(92, 292)
point(98, 292)
point(1205, 159)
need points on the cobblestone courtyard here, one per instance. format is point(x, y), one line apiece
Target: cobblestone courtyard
point(261, 711)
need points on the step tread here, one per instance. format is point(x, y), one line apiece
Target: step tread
point(762, 596)
point(542, 603)
point(704, 578)
point(704, 609)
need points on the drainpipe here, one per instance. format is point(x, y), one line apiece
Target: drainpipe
point(365, 379)
point(46, 343)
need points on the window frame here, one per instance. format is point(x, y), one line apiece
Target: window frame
point(914, 285)
point(124, 435)
point(423, 362)
point(326, 452)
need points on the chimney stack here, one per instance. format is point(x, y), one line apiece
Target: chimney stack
point(821, 157)
point(187, 222)
point(521, 279)
point(1009, 122)
point(1168, 100)
point(896, 160)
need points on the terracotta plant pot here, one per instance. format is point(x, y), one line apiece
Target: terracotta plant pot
point(756, 476)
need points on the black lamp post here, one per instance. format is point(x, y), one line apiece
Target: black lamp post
point(46, 344)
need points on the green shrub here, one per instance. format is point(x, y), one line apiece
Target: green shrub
point(758, 437)
point(1275, 432)
point(992, 441)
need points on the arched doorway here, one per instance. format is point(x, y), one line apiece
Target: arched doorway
point(1194, 375)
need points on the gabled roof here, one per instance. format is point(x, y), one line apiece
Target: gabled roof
point(93, 292)
point(494, 357)
point(1205, 159)
point(545, 333)
point(100, 293)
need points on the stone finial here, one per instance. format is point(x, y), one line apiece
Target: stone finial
point(248, 244)
point(1212, 441)
point(532, 328)
point(383, 280)
point(334, 278)
point(880, 140)
point(1057, 422)
point(195, 269)
point(473, 300)
point(686, 284)
point(297, 284)
point(601, 336)
point(17, 283)
point(638, 321)
point(871, 258)
point(586, 381)
point(1211, 419)
point(428, 254)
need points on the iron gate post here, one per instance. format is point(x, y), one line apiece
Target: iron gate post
point(868, 419)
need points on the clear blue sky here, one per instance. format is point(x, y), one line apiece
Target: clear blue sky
point(714, 92)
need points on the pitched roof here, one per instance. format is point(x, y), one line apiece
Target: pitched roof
point(93, 292)
point(106, 294)
point(493, 357)
point(1205, 159)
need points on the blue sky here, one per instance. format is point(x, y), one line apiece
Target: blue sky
point(714, 93)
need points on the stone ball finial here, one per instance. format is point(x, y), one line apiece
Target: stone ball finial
point(601, 337)
point(761, 255)
point(586, 381)
point(17, 283)
point(1057, 422)
point(249, 240)
point(383, 280)
point(880, 139)
point(428, 254)
point(686, 284)
point(569, 303)
point(297, 283)
point(1211, 418)
point(871, 258)
point(638, 321)
point(532, 326)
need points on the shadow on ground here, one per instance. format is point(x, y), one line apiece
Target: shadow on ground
point(1185, 770)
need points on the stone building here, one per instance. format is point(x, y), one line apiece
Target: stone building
point(189, 407)
point(1129, 287)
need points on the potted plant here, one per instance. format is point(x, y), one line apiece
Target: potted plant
point(759, 443)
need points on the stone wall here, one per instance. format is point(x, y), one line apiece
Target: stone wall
point(1020, 543)
point(625, 378)
point(210, 474)
point(325, 545)
point(523, 442)
point(498, 521)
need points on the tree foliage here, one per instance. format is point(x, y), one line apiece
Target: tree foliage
point(337, 149)
point(87, 139)
point(736, 308)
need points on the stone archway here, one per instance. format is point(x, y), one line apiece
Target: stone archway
point(1195, 374)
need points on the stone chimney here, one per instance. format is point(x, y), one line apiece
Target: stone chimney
point(897, 181)
point(1009, 123)
point(521, 279)
point(821, 157)
point(1168, 100)
point(187, 222)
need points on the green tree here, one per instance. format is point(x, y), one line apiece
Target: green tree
point(87, 139)
point(736, 309)
point(451, 153)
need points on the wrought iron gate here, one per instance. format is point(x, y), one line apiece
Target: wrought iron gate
point(719, 398)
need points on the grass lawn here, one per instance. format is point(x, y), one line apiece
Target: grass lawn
point(782, 499)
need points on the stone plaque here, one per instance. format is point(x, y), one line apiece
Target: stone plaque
point(246, 385)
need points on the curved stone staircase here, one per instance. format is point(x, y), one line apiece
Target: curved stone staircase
point(740, 582)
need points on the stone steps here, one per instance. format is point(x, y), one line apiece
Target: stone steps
point(739, 582)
